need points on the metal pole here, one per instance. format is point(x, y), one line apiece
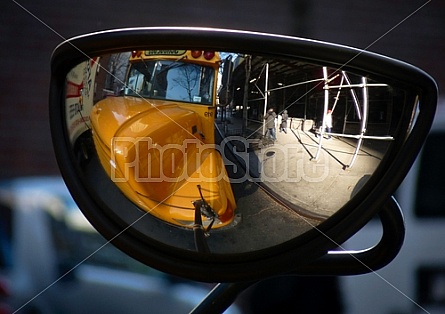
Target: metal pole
point(325, 110)
point(266, 94)
point(248, 67)
point(363, 124)
point(354, 96)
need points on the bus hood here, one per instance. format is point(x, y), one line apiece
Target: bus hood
point(153, 151)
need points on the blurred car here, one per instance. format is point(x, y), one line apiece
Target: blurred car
point(53, 261)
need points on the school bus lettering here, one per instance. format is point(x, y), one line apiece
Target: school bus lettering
point(164, 52)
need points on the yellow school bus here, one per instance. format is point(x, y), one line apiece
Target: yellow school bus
point(156, 139)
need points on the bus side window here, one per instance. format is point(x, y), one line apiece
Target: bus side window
point(430, 192)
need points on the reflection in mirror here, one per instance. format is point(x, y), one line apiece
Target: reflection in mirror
point(217, 142)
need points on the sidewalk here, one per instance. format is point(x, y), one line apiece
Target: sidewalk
point(313, 178)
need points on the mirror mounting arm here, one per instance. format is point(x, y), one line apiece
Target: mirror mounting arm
point(202, 208)
point(198, 229)
point(221, 297)
point(346, 263)
point(333, 264)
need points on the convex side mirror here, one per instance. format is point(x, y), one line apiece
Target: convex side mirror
point(179, 168)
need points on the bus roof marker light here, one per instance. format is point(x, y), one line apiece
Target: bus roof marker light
point(196, 53)
point(208, 55)
point(136, 54)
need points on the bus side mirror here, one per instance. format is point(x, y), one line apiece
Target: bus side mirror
point(153, 176)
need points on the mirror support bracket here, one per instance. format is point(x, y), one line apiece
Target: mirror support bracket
point(221, 297)
point(335, 263)
point(344, 263)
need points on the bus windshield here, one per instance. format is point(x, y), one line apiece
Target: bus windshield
point(171, 80)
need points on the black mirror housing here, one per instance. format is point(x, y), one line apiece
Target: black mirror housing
point(164, 245)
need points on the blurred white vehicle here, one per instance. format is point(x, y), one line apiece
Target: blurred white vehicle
point(415, 281)
point(53, 261)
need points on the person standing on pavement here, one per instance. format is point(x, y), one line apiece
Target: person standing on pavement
point(270, 124)
point(283, 125)
point(328, 123)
